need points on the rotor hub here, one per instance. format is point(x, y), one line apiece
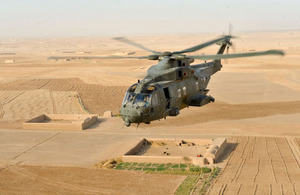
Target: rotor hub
point(167, 53)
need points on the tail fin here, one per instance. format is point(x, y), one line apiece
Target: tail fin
point(223, 45)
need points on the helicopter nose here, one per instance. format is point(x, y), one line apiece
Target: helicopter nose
point(132, 114)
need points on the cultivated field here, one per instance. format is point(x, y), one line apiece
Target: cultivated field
point(261, 165)
point(96, 98)
point(70, 180)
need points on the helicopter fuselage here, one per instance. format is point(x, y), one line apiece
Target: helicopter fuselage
point(169, 86)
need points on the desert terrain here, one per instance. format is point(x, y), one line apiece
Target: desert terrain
point(257, 108)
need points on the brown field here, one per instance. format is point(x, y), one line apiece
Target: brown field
point(257, 107)
point(68, 180)
point(261, 165)
point(96, 98)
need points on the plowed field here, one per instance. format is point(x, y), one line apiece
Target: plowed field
point(96, 98)
point(261, 165)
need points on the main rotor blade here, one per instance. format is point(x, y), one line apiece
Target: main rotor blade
point(202, 45)
point(125, 40)
point(237, 55)
point(94, 57)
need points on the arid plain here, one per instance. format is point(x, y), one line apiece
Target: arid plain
point(257, 108)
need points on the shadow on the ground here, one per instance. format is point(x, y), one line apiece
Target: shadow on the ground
point(228, 150)
point(97, 123)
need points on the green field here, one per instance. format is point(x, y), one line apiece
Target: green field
point(200, 177)
point(155, 168)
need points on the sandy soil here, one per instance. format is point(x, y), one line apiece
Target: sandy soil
point(70, 180)
point(176, 151)
point(257, 97)
point(17, 106)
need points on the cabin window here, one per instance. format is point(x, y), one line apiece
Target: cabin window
point(197, 86)
point(179, 74)
point(179, 93)
point(184, 90)
point(179, 63)
point(154, 99)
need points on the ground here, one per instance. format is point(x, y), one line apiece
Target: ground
point(257, 108)
point(261, 165)
point(69, 180)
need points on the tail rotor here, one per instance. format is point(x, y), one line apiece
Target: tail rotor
point(229, 43)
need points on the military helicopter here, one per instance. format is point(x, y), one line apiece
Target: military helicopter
point(173, 83)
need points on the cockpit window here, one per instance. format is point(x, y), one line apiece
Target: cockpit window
point(142, 99)
point(129, 96)
point(132, 88)
point(149, 89)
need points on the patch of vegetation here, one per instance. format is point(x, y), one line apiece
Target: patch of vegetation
point(155, 165)
point(209, 179)
point(147, 169)
point(195, 175)
point(204, 179)
point(148, 165)
point(206, 170)
point(135, 164)
point(120, 168)
point(186, 186)
point(161, 169)
point(195, 169)
point(168, 165)
point(169, 168)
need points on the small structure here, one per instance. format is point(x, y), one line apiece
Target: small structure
point(215, 150)
point(60, 122)
point(9, 61)
point(107, 114)
point(194, 151)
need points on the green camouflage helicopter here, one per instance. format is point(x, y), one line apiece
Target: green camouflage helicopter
point(173, 83)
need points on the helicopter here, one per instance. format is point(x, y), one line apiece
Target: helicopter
point(173, 83)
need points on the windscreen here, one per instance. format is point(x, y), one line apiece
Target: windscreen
point(142, 99)
point(129, 96)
